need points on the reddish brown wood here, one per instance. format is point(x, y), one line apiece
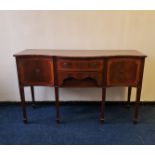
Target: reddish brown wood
point(138, 93)
point(123, 71)
point(80, 53)
point(22, 95)
point(102, 115)
point(80, 68)
point(36, 71)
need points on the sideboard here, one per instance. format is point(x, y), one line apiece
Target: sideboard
point(80, 68)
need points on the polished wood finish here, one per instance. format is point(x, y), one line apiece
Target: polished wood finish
point(80, 68)
point(136, 108)
point(79, 72)
point(82, 79)
point(138, 93)
point(123, 71)
point(57, 104)
point(80, 64)
point(80, 53)
point(36, 71)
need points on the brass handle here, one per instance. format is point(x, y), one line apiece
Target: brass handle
point(65, 64)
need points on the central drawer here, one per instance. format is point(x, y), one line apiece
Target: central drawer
point(66, 64)
point(80, 72)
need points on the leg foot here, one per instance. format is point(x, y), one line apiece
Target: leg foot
point(34, 105)
point(128, 106)
point(23, 104)
point(102, 120)
point(129, 97)
point(58, 121)
point(25, 121)
point(135, 121)
point(102, 116)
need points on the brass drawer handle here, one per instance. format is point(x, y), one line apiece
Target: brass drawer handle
point(65, 64)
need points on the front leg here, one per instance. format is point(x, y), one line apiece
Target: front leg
point(102, 117)
point(136, 107)
point(22, 96)
point(57, 105)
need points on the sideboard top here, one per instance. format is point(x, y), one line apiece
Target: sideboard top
point(79, 53)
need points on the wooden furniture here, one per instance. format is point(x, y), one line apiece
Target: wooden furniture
point(80, 68)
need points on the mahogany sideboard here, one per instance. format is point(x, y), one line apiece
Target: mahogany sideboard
point(80, 68)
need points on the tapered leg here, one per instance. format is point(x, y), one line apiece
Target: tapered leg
point(129, 97)
point(136, 107)
point(33, 98)
point(102, 117)
point(22, 96)
point(57, 105)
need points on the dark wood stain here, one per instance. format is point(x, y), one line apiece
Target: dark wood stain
point(80, 68)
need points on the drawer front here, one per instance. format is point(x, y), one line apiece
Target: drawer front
point(79, 65)
point(80, 79)
point(36, 71)
point(123, 72)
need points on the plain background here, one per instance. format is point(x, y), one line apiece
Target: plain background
point(21, 30)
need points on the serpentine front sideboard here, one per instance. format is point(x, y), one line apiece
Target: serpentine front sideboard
point(80, 68)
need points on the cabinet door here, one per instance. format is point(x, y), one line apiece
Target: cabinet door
point(123, 71)
point(35, 71)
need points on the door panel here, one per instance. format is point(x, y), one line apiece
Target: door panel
point(36, 71)
point(123, 71)
point(79, 65)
